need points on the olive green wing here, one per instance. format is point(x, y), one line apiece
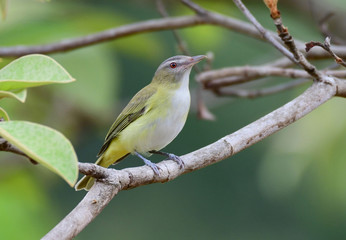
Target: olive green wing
point(134, 110)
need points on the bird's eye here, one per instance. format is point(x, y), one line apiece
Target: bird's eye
point(173, 65)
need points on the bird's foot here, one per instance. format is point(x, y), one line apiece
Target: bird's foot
point(152, 166)
point(171, 156)
point(176, 159)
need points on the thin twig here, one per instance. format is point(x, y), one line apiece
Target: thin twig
point(289, 41)
point(326, 46)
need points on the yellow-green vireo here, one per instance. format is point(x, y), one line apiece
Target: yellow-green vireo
point(152, 119)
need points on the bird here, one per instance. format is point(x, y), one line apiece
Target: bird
point(151, 120)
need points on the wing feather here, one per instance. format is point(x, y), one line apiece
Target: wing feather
point(134, 110)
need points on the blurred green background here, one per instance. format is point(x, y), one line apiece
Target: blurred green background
point(289, 186)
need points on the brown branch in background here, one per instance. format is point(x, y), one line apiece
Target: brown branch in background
point(289, 41)
point(246, 93)
point(326, 46)
point(321, 54)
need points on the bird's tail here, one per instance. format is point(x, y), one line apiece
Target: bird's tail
point(105, 160)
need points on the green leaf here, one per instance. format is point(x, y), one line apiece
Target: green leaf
point(31, 71)
point(45, 145)
point(19, 94)
point(3, 114)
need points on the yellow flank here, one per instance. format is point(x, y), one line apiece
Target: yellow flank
point(114, 152)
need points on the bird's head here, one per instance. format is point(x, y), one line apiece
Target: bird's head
point(175, 69)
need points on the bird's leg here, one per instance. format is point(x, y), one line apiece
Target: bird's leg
point(171, 156)
point(149, 163)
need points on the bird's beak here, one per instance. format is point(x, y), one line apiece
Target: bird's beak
point(196, 59)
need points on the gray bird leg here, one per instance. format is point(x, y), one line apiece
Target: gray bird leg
point(171, 156)
point(149, 163)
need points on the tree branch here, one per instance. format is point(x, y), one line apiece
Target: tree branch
point(116, 180)
point(223, 77)
point(300, 58)
point(135, 28)
point(325, 46)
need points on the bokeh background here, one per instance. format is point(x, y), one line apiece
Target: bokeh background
point(289, 186)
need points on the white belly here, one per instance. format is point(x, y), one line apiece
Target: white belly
point(168, 127)
point(146, 134)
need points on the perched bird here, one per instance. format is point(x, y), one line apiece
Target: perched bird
point(152, 118)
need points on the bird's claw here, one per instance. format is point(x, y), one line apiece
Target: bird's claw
point(153, 166)
point(177, 159)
